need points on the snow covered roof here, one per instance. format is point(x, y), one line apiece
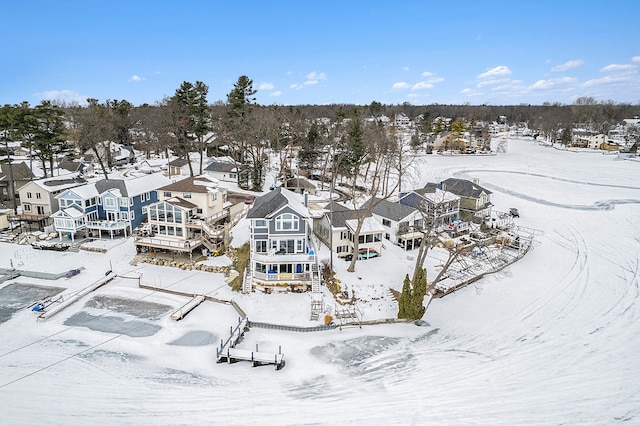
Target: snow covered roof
point(369, 226)
point(275, 200)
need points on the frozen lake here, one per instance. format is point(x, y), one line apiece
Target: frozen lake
point(553, 339)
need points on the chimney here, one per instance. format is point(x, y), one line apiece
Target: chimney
point(306, 198)
point(476, 181)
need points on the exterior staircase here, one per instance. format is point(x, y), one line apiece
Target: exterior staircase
point(247, 281)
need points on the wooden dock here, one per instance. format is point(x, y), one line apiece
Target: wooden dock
point(227, 352)
point(183, 310)
point(68, 301)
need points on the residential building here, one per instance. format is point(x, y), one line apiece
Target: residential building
point(112, 206)
point(282, 253)
point(439, 207)
point(38, 199)
point(475, 201)
point(189, 214)
point(20, 174)
point(224, 169)
point(337, 228)
point(402, 224)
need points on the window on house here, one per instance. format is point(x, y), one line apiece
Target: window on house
point(377, 237)
point(261, 246)
point(109, 202)
point(360, 239)
point(344, 235)
point(287, 222)
point(38, 196)
point(198, 211)
point(342, 249)
point(369, 238)
point(133, 215)
point(233, 176)
point(145, 210)
point(124, 215)
point(167, 194)
point(123, 202)
point(386, 222)
point(299, 246)
point(27, 207)
point(29, 195)
point(261, 223)
point(186, 195)
point(214, 196)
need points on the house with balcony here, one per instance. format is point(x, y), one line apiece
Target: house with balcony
point(438, 208)
point(38, 200)
point(403, 225)
point(190, 214)
point(108, 207)
point(282, 253)
point(474, 200)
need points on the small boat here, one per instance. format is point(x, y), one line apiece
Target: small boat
point(72, 273)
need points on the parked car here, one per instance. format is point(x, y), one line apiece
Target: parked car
point(250, 199)
point(514, 212)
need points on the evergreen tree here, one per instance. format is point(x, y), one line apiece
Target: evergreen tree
point(405, 298)
point(418, 292)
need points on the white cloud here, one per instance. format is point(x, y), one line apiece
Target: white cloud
point(136, 78)
point(275, 94)
point(265, 86)
point(400, 85)
point(617, 67)
point(499, 71)
point(492, 81)
point(547, 84)
point(405, 69)
point(635, 59)
point(470, 92)
point(422, 85)
point(63, 95)
point(568, 65)
point(435, 80)
point(310, 82)
point(607, 80)
point(316, 76)
point(296, 86)
point(427, 74)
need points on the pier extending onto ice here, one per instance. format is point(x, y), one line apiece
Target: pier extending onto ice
point(227, 352)
point(54, 309)
point(183, 310)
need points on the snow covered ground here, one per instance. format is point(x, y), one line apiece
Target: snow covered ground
point(552, 339)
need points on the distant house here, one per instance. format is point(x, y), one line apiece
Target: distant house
point(179, 167)
point(282, 254)
point(189, 214)
point(223, 169)
point(111, 206)
point(438, 206)
point(475, 201)
point(20, 173)
point(403, 224)
point(300, 185)
point(79, 167)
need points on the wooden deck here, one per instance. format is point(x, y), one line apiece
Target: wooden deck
point(229, 353)
point(183, 310)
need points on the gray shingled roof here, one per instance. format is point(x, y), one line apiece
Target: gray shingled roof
point(273, 201)
point(460, 187)
point(220, 166)
point(104, 185)
point(389, 210)
point(339, 214)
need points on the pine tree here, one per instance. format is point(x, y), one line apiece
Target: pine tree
point(418, 292)
point(405, 298)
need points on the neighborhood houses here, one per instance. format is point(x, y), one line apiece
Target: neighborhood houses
point(339, 194)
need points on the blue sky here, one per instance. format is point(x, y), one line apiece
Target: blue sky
point(323, 52)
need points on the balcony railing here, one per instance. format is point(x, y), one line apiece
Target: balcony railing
point(305, 276)
point(284, 258)
point(107, 224)
point(182, 245)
